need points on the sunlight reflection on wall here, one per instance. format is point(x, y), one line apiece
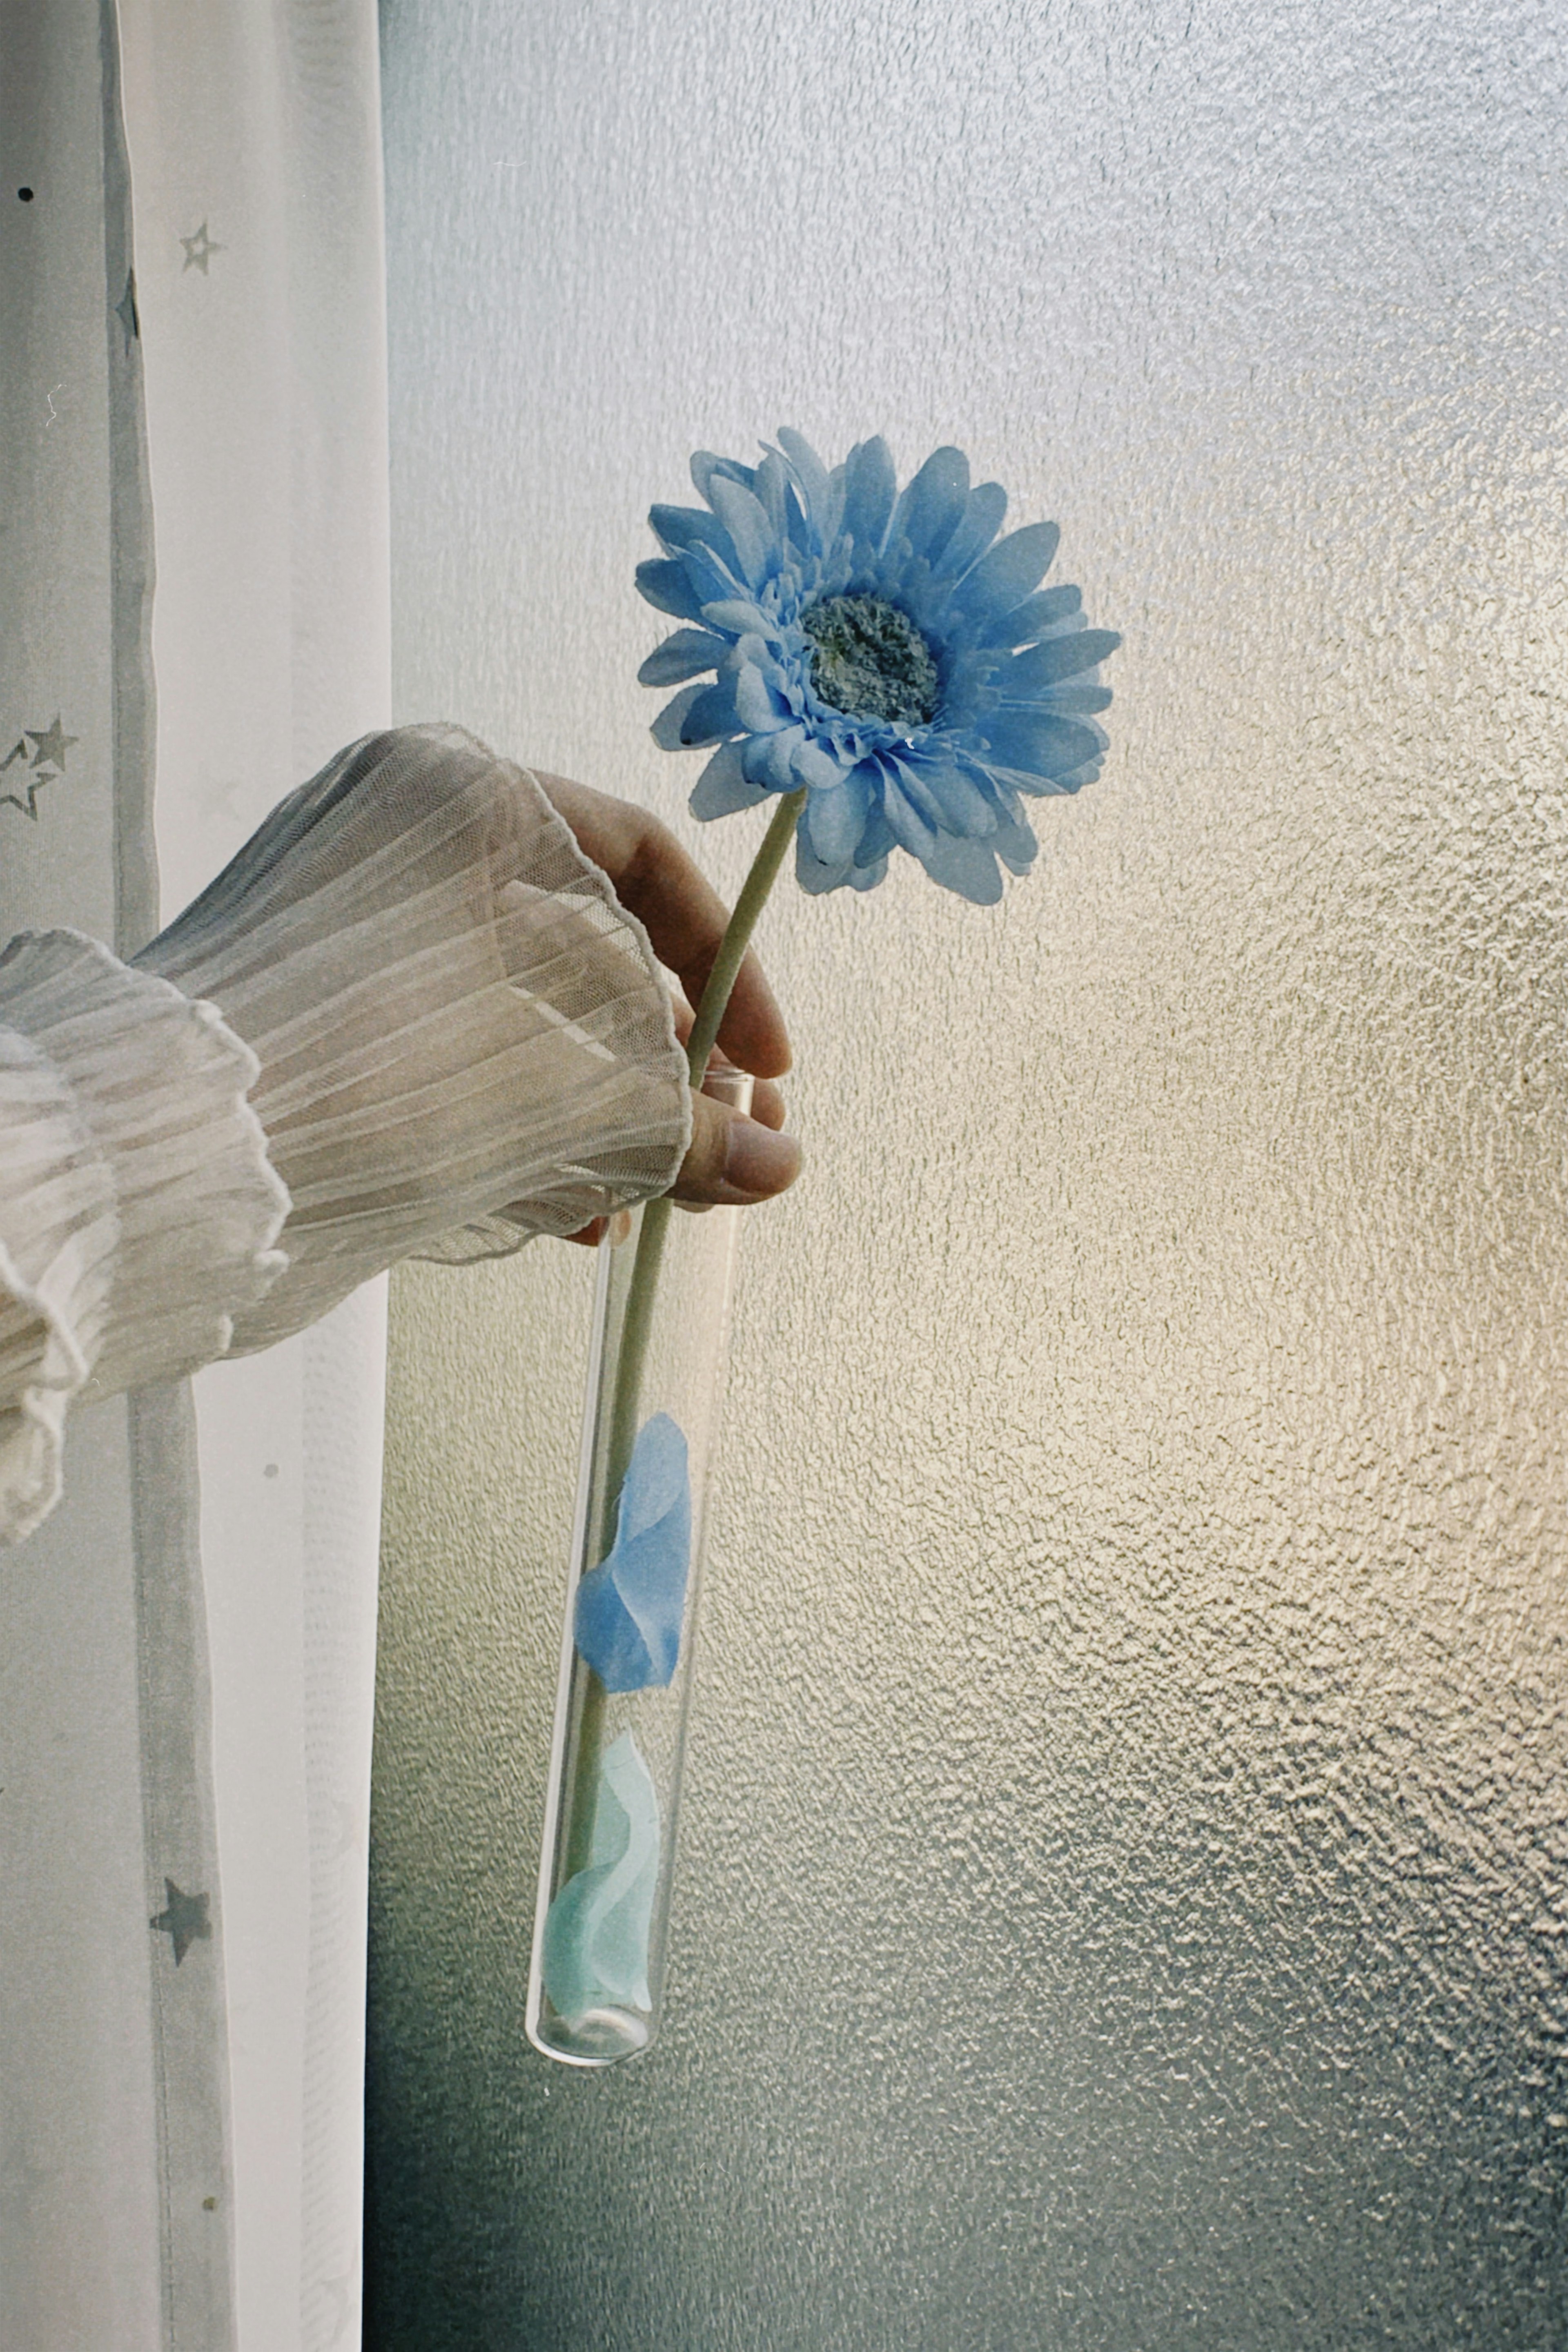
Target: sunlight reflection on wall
point(1122, 1896)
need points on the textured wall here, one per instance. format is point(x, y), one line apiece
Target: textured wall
point(1123, 1897)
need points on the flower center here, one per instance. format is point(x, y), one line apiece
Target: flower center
point(870, 662)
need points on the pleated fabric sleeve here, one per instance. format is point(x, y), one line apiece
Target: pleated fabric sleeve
point(138, 1211)
point(410, 1019)
point(464, 1039)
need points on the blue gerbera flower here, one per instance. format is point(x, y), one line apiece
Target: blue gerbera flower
point(884, 649)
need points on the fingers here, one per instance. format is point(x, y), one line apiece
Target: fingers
point(767, 1104)
point(683, 915)
point(733, 1160)
point(590, 1234)
point(767, 1099)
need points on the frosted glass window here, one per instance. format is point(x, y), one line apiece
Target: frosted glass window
point(1122, 1899)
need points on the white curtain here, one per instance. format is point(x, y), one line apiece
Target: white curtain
point(192, 392)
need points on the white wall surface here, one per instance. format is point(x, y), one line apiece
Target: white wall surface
point(1122, 1899)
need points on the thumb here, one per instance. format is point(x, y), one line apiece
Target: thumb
point(733, 1160)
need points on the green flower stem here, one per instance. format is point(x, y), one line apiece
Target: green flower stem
point(636, 1322)
point(714, 1001)
point(711, 1007)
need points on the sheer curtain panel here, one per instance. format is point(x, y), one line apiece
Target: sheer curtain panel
point(191, 393)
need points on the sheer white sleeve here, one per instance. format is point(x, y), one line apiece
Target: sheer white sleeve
point(464, 1039)
point(137, 1208)
point(410, 1019)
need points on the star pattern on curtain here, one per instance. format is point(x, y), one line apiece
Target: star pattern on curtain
point(50, 745)
point(199, 250)
point(183, 1920)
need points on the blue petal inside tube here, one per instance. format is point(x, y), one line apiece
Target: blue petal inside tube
point(629, 1608)
point(596, 1932)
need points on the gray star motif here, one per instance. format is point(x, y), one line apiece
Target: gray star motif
point(184, 1920)
point(52, 745)
point(199, 250)
point(29, 807)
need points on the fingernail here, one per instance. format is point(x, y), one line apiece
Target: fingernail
point(758, 1161)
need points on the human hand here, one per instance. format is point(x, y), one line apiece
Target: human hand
point(733, 1160)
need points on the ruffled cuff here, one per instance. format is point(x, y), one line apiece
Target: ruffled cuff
point(464, 1038)
point(138, 1209)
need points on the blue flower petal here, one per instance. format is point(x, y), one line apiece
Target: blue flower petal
point(870, 484)
point(982, 521)
point(663, 581)
point(713, 573)
point(711, 717)
point(1015, 845)
point(1041, 744)
point(667, 728)
point(683, 526)
point(722, 788)
point(915, 589)
point(629, 1608)
point(751, 533)
point(705, 468)
point(1004, 577)
point(962, 803)
point(811, 474)
point(932, 504)
point(911, 780)
point(810, 872)
point(835, 819)
point(757, 704)
point(769, 486)
point(968, 868)
point(737, 616)
point(1066, 656)
point(812, 876)
point(756, 653)
point(767, 760)
point(598, 1930)
point(1069, 780)
point(877, 839)
point(1084, 700)
point(814, 763)
point(681, 655)
point(910, 829)
point(1032, 617)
